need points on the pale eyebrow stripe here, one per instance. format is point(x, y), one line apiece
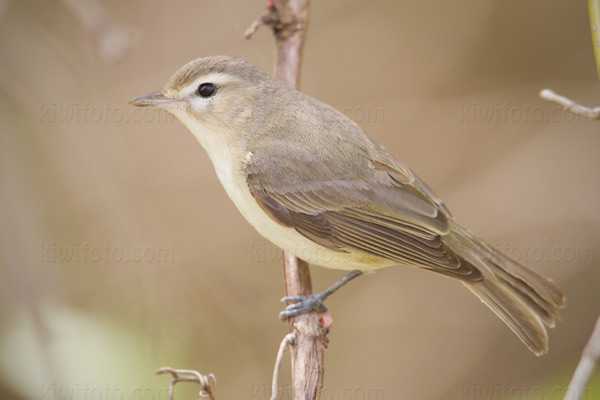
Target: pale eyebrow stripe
point(217, 78)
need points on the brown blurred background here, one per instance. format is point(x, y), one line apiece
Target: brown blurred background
point(120, 252)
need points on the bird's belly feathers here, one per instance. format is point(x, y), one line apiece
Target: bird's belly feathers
point(288, 238)
point(229, 167)
point(234, 181)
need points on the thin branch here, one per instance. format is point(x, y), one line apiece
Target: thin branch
point(568, 104)
point(289, 19)
point(207, 383)
point(308, 353)
point(287, 341)
point(269, 17)
point(289, 34)
point(585, 369)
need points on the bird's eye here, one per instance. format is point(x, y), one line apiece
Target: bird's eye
point(206, 89)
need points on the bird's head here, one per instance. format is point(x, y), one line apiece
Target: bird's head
point(215, 94)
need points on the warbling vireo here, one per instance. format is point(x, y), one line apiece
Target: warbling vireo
point(313, 183)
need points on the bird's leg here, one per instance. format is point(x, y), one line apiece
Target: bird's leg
point(314, 302)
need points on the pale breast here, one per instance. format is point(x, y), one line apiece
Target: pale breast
point(229, 168)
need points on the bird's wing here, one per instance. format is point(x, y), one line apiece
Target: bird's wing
point(380, 208)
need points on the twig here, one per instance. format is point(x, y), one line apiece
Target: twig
point(288, 340)
point(308, 353)
point(568, 104)
point(208, 383)
point(289, 19)
point(289, 35)
point(269, 17)
point(585, 369)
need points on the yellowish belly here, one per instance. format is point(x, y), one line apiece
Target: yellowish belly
point(289, 239)
point(229, 168)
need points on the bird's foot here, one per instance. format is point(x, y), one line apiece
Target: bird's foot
point(303, 305)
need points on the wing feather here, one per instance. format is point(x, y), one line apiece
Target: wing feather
point(383, 213)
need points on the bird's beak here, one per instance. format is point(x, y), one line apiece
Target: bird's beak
point(156, 99)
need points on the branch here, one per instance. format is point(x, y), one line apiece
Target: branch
point(308, 354)
point(289, 19)
point(585, 369)
point(568, 104)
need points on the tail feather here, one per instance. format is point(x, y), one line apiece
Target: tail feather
point(546, 292)
point(546, 309)
point(521, 320)
point(524, 300)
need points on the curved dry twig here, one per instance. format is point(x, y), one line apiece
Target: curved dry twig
point(208, 383)
point(568, 104)
point(288, 340)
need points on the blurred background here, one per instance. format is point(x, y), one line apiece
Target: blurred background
point(120, 252)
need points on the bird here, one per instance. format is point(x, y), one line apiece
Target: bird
point(312, 182)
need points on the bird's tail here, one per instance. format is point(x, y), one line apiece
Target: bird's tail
point(524, 300)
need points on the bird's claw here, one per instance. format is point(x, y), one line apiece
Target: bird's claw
point(302, 305)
